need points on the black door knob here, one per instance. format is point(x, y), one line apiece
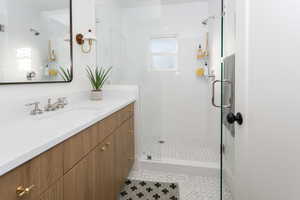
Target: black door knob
point(231, 118)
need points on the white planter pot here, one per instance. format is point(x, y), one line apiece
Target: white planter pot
point(96, 95)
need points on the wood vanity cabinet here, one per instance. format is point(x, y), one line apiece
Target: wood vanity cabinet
point(91, 165)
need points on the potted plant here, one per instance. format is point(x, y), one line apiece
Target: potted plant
point(97, 79)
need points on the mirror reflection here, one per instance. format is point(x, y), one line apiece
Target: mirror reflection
point(35, 41)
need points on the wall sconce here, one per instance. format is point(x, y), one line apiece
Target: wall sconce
point(87, 37)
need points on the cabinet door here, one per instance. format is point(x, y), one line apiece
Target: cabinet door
point(25, 176)
point(124, 152)
point(80, 181)
point(55, 192)
point(105, 177)
point(128, 148)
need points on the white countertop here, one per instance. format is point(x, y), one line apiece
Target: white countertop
point(24, 139)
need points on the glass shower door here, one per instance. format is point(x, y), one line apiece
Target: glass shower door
point(229, 118)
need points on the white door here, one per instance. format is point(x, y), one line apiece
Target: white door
point(268, 72)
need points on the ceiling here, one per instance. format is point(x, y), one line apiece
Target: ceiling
point(46, 5)
point(135, 3)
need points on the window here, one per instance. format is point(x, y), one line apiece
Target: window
point(24, 58)
point(163, 51)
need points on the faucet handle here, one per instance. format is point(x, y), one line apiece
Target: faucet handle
point(63, 100)
point(48, 107)
point(36, 104)
point(36, 109)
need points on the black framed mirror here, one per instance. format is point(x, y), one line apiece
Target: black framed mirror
point(36, 41)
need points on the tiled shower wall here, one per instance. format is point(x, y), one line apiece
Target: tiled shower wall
point(174, 105)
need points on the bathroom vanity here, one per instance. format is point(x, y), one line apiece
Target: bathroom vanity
point(91, 164)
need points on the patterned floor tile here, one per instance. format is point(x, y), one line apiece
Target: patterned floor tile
point(148, 190)
point(191, 187)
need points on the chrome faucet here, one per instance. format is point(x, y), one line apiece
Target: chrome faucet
point(36, 110)
point(59, 104)
point(49, 106)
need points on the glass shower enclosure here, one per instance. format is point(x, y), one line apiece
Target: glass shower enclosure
point(154, 45)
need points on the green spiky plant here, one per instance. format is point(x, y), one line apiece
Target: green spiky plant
point(65, 74)
point(98, 77)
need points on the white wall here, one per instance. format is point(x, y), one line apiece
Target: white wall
point(175, 105)
point(83, 19)
point(108, 27)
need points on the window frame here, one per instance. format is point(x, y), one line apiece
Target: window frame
point(152, 54)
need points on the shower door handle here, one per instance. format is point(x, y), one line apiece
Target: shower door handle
point(231, 118)
point(213, 93)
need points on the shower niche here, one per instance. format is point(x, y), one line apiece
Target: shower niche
point(35, 41)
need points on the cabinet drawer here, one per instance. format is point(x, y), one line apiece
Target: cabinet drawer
point(25, 176)
point(125, 113)
point(108, 126)
point(79, 145)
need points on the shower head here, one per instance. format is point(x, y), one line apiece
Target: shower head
point(205, 22)
point(35, 32)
